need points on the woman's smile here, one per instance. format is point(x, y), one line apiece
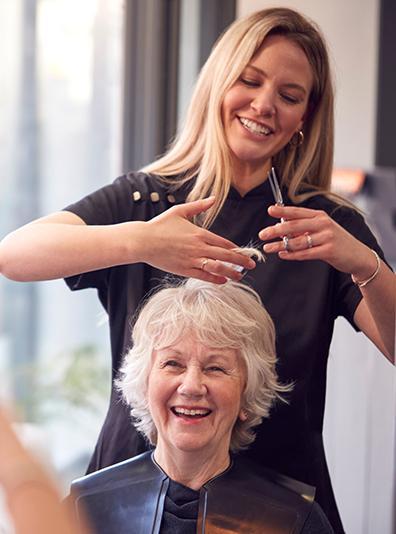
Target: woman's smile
point(195, 395)
point(255, 128)
point(266, 106)
point(190, 416)
point(191, 412)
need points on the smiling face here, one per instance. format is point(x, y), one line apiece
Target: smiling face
point(266, 106)
point(194, 396)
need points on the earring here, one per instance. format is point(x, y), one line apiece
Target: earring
point(297, 139)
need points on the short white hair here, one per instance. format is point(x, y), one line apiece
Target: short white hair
point(228, 316)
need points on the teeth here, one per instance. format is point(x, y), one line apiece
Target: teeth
point(184, 411)
point(254, 126)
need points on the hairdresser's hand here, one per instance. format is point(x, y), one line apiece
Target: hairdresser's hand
point(174, 244)
point(313, 235)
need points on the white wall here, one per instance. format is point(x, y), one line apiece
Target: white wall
point(360, 409)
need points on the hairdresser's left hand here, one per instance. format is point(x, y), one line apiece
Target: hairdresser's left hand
point(330, 242)
point(375, 314)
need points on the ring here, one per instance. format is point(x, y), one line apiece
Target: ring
point(285, 240)
point(204, 262)
point(309, 240)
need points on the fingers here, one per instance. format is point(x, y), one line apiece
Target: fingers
point(290, 228)
point(292, 212)
point(221, 269)
point(218, 241)
point(225, 263)
point(207, 276)
point(307, 234)
point(295, 244)
point(297, 221)
point(190, 209)
point(191, 245)
point(222, 244)
point(231, 256)
point(320, 252)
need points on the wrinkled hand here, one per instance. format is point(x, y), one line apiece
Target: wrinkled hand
point(177, 245)
point(330, 242)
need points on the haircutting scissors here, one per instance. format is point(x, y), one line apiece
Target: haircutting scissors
point(276, 191)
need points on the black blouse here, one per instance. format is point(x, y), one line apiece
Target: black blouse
point(180, 510)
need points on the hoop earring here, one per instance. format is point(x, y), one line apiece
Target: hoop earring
point(297, 139)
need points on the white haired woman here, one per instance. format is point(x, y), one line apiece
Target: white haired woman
point(199, 377)
point(264, 98)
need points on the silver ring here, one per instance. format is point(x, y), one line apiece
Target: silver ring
point(285, 240)
point(204, 262)
point(309, 240)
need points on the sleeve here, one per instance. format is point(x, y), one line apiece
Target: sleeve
point(347, 294)
point(111, 204)
point(317, 522)
point(107, 205)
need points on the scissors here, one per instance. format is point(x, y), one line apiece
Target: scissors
point(276, 191)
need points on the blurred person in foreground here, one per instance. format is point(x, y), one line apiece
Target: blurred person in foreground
point(31, 497)
point(199, 377)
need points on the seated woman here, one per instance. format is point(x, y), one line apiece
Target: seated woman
point(200, 376)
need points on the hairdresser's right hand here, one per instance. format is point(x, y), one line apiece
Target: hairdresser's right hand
point(61, 245)
point(178, 246)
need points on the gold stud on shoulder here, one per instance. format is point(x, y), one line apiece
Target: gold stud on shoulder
point(136, 195)
point(171, 199)
point(154, 196)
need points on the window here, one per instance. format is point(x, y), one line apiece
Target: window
point(60, 104)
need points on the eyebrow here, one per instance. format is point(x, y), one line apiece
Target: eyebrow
point(217, 353)
point(288, 85)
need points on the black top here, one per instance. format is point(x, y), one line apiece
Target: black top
point(303, 299)
point(180, 510)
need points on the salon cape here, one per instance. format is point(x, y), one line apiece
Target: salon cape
point(130, 496)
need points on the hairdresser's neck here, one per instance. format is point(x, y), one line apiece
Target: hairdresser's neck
point(249, 175)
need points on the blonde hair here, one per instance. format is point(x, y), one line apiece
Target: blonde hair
point(229, 315)
point(201, 151)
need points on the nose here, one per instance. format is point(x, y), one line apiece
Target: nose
point(263, 103)
point(192, 383)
